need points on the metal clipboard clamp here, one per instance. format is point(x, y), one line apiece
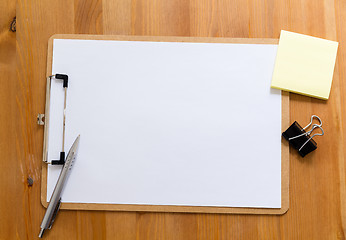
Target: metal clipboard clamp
point(43, 119)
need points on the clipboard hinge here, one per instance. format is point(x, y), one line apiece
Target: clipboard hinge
point(40, 119)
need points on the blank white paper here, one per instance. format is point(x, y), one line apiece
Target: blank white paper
point(192, 124)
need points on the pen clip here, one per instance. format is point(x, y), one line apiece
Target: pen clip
point(55, 213)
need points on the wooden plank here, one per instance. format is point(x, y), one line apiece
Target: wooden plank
point(12, 178)
point(36, 22)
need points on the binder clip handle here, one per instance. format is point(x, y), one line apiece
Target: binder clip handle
point(312, 119)
point(314, 126)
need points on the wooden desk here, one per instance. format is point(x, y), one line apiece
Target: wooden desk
point(317, 183)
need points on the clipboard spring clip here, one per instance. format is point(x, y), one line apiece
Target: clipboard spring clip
point(301, 139)
point(43, 119)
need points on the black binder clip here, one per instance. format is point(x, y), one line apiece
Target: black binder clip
point(300, 139)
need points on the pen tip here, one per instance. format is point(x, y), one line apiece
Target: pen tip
point(41, 233)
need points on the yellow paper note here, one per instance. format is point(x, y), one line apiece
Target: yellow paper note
point(304, 64)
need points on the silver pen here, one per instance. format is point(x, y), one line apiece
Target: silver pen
point(55, 200)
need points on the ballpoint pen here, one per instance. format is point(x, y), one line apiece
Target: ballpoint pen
point(55, 200)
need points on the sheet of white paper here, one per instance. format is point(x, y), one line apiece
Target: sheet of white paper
point(193, 124)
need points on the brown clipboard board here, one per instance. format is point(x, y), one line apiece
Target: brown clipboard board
point(166, 208)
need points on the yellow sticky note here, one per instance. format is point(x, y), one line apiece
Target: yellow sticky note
point(304, 64)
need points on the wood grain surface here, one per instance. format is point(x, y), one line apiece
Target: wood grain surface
point(317, 182)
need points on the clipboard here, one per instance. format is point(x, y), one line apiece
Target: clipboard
point(169, 208)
